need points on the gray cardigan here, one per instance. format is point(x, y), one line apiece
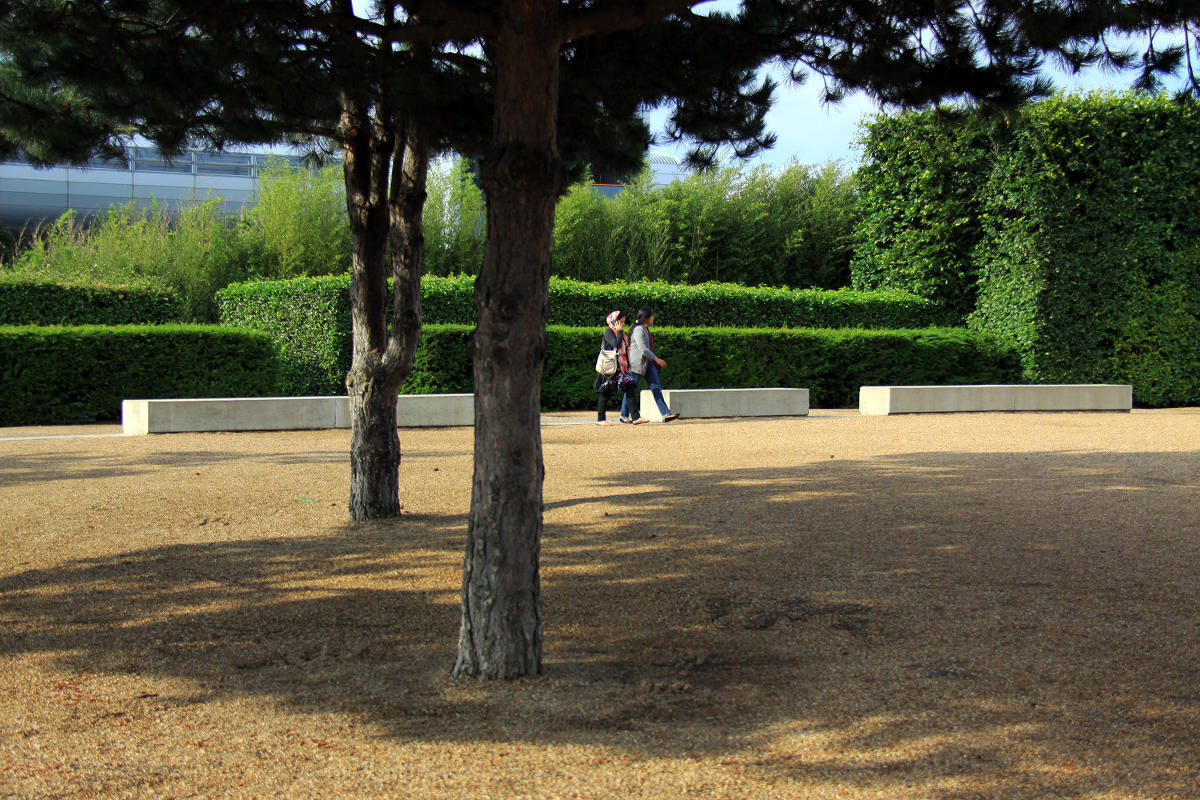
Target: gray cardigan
point(640, 354)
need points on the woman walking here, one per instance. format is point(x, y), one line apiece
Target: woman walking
point(615, 340)
point(644, 362)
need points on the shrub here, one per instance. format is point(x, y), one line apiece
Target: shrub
point(309, 318)
point(921, 193)
point(309, 321)
point(726, 304)
point(758, 227)
point(46, 303)
point(186, 252)
point(1090, 261)
point(72, 374)
point(832, 364)
point(297, 224)
point(454, 219)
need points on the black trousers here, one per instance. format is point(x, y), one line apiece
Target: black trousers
point(631, 403)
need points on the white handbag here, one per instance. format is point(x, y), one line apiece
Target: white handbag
point(606, 362)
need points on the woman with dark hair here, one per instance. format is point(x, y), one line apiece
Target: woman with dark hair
point(644, 362)
point(614, 340)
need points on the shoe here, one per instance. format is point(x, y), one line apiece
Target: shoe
point(626, 420)
point(603, 422)
point(640, 420)
point(670, 417)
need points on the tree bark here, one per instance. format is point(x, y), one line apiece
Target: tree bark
point(373, 153)
point(501, 631)
point(374, 444)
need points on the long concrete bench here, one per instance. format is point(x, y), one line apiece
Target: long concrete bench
point(694, 403)
point(284, 413)
point(883, 400)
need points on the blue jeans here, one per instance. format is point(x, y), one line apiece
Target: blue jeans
point(655, 390)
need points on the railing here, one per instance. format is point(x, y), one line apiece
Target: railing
point(190, 162)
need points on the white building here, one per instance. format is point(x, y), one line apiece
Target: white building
point(30, 194)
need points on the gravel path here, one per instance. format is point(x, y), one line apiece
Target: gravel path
point(950, 606)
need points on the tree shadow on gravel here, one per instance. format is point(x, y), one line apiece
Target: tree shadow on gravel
point(960, 623)
point(20, 468)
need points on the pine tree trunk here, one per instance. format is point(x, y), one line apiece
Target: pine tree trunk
point(374, 446)
point(375, 378)
point(373, 154)
point(374, 442)
point(501, 631)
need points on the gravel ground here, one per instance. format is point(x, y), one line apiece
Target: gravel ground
point(948, 606)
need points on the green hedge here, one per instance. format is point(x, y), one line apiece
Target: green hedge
point(578, 304)
point(309, 321)
point(24, 302)
point(310, 317)
point(75, 374)
point(1090, 261)
point(450, 300)
point(833, 364)
point(921, 195)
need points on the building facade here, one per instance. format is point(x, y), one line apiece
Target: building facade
point(29, 194)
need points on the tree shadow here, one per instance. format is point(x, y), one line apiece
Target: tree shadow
point(948, 620)
point(84, 465)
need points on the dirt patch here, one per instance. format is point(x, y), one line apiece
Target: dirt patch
point(960, 606)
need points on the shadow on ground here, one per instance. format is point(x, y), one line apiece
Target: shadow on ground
point(922, 619)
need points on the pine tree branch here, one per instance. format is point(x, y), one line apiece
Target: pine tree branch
point(425, 23)
point(619, 15)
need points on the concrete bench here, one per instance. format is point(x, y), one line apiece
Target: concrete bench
point(883, 400)
point(694, 403)
point(284, 413)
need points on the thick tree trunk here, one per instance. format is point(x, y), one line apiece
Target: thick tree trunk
point(501, 632)
point(374, 445)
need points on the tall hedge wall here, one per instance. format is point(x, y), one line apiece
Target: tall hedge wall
point(310, 317)
point(25, 302)
point(921, 194)
point(833, 364)
point(1090, 257)
point(57, 374)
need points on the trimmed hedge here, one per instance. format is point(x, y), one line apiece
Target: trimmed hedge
point(78, 374)
point(1090, 261)
point(921, 190)
point(833, 364)
point(310, 317)
point(309, 321)
point(24, 302)
point(451, 300)
point(578, 304)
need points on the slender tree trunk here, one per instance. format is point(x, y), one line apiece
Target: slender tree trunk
point(501, 632)
point(406, 210)
point(374, 444)
point(371, 155)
